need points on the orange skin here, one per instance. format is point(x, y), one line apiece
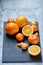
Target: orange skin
point(21, 21)
point(10, 20)
point(33, 23)
point(11, 28)
point(33, 39)
point(24, 46)
point(19, 37)
point(36, 34)
point(35, 28)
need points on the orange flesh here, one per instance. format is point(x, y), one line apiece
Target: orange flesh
point(27, 30)
point(34, 50)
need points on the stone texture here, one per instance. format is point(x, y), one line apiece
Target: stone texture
point(32, 9)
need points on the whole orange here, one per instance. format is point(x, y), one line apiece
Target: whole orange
point(19, 37)
point(33, 39)
point(35, 28)
point(11, 28)
point(21, 21)
point(33, 23)
point(10, 20)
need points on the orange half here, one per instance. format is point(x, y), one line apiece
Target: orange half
point(27, 30)
point(34, 50)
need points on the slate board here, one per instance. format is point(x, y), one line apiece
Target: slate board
point(13, 54)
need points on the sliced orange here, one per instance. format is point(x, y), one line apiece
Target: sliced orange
point(27, 30)
point(34, 50)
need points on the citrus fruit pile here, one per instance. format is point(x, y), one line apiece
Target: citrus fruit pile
point(30, 31)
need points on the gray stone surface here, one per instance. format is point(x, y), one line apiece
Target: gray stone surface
point(32, 9)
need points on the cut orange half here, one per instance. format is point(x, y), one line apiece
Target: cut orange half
point(34, 50)
point(27, 30)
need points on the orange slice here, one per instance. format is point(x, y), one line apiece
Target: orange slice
point(34, 50)
point(27, 30)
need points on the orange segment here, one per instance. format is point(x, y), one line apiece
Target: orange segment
point(35, 28)
point(34, 50)
point(27, 30)
point(23, 45)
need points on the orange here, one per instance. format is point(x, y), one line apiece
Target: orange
point(35, 28)
point(33, 23)
point(20, 44)
point(21, 21)
point(19, 37)
point(36, 34)
point(27, 30)
point(11, 28)
point(10, 20)
point(33, 39)
point(23, 45)
point(34, 50)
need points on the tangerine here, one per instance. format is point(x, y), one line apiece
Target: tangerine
point(10, 20)
point(33, 23)
point(35, 28)
point(19, 37)
point(33, 39)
